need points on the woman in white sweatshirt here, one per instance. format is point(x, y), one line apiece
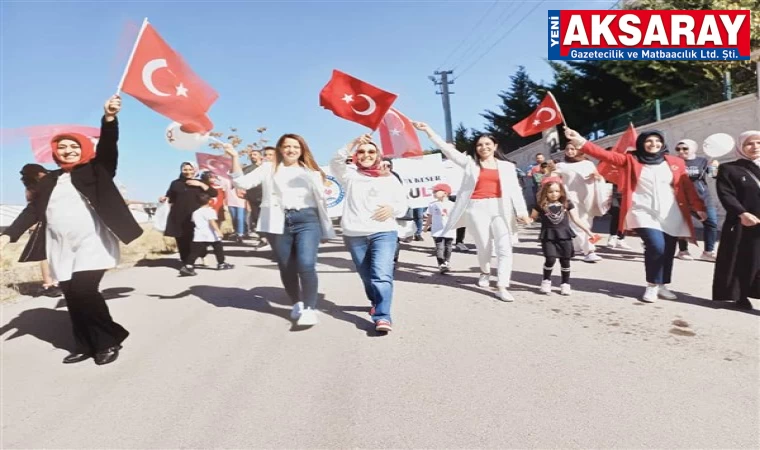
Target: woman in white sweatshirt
point(489, 202)
point(374, 199)
point(294, 216)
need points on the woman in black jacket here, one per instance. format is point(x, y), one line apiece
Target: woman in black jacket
point(183, 196)
point(737, 268)
point(81, 217)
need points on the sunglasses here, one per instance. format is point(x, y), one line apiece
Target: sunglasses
point(369, 152)
point(682, 149)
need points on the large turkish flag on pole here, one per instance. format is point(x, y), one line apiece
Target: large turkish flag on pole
point(158, 77)
point(355, 100)
point(398, 137)
point(544, 117)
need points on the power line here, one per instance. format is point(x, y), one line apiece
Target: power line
point(475, 27)
point(486, 37)
point(499, 40)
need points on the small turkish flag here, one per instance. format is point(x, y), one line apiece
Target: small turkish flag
point(218, 164)
point(159, 78)
point(40, 137)
point(626, 143)
point(355, 100)
point(398, 137)
point(544, 117)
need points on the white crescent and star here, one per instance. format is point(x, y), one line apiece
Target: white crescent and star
point(395, 131)
point(552, 115)
point(147, 79)
point(371, 107)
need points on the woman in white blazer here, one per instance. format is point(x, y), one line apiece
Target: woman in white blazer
point(294, 217)
point(489, 203)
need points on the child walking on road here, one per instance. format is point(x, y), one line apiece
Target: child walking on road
point(207, 233)
point(437, 218)
point(555, 211)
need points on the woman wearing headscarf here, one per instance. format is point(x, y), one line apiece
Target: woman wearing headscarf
point(294, 217)
point(579, 176)
point(84, 217)
point(183, 197)
point(374, 199)
point(490, 201)
point(657, 201)
point(737, 269)
point(699, 168)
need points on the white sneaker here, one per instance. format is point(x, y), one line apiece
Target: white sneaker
point(592, 257)
point(613, 241)
point(546, 287)
point(484, 280)
point(308, 318)
point(686, 256)
point(564, 289)
point(665, 293)
point(505, 296)
point(708, 256)
point(650, 294)
point(622, 244)
point(297, 310)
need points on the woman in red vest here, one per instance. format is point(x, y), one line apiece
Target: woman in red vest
point(657, 201)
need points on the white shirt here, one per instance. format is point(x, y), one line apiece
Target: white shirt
point(76, 239)
point(654, 203)
point(439, 212)
point(364, 194)
point(231, 193)
point(292, 184)
point(202, 218)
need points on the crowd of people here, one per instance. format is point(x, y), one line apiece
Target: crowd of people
point(79, 217)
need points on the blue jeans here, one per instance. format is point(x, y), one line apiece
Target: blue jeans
point(238, 219)
point(295, 251)
point(709, 231)
point(373, 258)
point(418, 214)
point(659, 252)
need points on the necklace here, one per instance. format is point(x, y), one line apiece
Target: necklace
point(555, 212)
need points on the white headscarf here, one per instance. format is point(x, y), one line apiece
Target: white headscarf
point(691, 145)
point(741, 140)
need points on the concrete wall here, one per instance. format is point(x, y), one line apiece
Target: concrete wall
point(732, 117)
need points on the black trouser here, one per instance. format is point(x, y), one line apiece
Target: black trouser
point(200, 249)
point(443, 249)
point(614, 220)
point(94, 329)
point(185, 242)
point(460, 235)
point(253, 217)
point(564, 264)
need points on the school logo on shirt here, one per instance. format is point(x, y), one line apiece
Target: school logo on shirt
point(334, 192)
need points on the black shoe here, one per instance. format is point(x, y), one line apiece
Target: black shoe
point(52, 291)
point(75, 358)
point(744, 304)
point(225, 266)
point(107, 356)
point(187, 272)
point(418, 237)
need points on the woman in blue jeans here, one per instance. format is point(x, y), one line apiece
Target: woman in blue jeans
point(699, 168)
point(374, 199)
point(294, 216)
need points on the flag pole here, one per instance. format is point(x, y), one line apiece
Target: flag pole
point(564, 122)
point(131, 56)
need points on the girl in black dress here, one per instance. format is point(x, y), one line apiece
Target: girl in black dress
point(555, 211)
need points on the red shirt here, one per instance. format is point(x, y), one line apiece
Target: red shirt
point(488, 185)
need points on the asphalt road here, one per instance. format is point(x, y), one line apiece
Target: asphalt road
point(213, 361)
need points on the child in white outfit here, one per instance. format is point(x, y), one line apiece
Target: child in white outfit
point(206, 233)
point(437, 218)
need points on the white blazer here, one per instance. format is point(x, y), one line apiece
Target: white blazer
point(272, 216)
point(511, 192)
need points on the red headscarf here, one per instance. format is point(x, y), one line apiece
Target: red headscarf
point(85, 144)
point(372, 171)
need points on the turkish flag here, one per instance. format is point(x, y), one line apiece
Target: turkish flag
point(626, 143)
point(218, 164)
point(398, 137)
point(159, 78)
point(544, 117)
point(355, 100)
point(40, 136)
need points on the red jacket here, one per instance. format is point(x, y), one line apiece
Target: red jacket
point(630, 171)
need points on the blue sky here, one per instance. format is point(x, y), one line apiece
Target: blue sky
point(267, 60)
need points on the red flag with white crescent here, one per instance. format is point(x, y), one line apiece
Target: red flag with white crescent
point(355, 100)
point(398, 137)
point(218, 164)
point(544, 117)
point(626, 143)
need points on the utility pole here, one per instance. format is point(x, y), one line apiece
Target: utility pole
point(444, 82)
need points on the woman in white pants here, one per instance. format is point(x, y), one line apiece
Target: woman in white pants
point(489, 203)
point(579, 176)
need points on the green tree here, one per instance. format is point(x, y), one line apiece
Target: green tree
point(517, 103)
